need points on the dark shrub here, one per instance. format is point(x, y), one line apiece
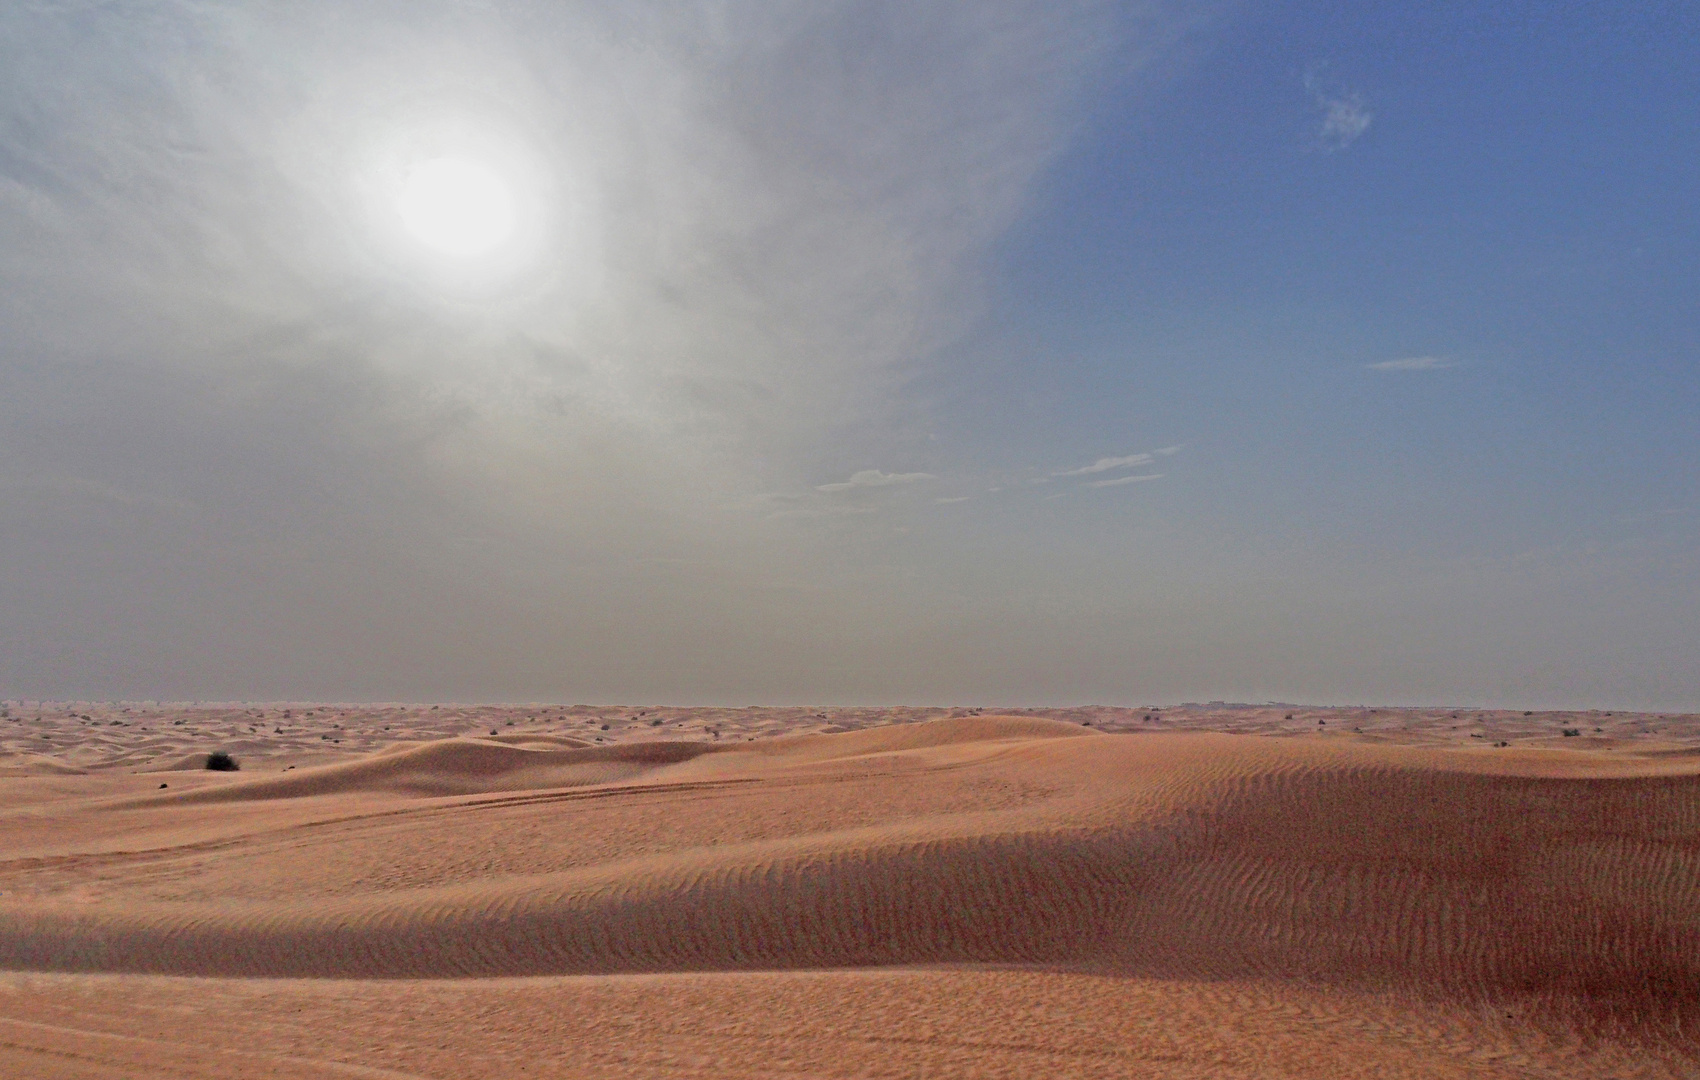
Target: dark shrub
point(219, 761)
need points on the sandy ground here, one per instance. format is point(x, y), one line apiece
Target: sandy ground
point(450, 891)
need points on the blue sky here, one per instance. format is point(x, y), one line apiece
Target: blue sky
point(1019, 353)
point(1519, 206)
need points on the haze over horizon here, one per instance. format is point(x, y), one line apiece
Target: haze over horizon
point(768, 353)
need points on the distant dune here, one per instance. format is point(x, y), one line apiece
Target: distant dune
point(457, 767)
point(1558, 887)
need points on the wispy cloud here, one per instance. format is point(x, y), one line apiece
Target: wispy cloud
point(954, 499)
point(1120, 480)
point(1413, 363)
point(1105, 464)
point(1346, 115)
point(872, 478)
point(1109, 464)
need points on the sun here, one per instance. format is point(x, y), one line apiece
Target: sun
point(457, 207)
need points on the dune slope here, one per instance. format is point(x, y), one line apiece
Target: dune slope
point(985, 841)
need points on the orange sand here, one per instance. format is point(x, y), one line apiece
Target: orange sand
point(982, 895)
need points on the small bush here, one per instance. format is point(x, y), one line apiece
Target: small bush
point(219, 761)
point(1571, 732)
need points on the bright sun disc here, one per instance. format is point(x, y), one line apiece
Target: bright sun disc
point(457, 207)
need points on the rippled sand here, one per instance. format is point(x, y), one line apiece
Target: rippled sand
point(492, 892)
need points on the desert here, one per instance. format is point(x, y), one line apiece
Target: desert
point(825, 539)
point(1176, 891)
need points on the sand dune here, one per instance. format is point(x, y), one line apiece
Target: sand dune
point(457, 767)
point(1554, 882)
point(1184, 856)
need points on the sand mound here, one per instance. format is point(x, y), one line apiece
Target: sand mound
point(1181, 857)
point(36, 765)
point(456, 767)
point(900, 737)
point(532, 741)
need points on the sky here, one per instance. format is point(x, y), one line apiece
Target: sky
point(1014, 352)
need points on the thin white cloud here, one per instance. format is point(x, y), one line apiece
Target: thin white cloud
point(1120, 480)
point(872, 478)
point(954, 499)
point(1413, 363)
point(1346, 115)
point(1167, 451)
point(1107, 463)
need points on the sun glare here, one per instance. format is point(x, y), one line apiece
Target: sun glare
point(457, 207)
